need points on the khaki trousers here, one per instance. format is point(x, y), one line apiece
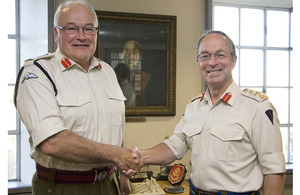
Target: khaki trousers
point(109, 186)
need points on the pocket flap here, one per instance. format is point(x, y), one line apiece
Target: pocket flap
point(192, 129)
point(115, 94)
point(66, 99)
point(226, 134)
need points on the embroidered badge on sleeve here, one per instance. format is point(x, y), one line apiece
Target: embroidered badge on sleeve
point(29, 76)
point(269, 113)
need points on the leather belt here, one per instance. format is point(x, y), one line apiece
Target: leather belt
point(75, 177)
point(196, 191)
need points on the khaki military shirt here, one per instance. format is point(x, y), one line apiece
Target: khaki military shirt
point(90, 104)
point(234, 143)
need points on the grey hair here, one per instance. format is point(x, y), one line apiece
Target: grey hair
point(232, 46)
point(70, 2)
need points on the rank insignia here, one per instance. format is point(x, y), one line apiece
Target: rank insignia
point(227, 97)
point(66, 62)
point(29, 76)
point(262, 96)
point(202, 97)
point(269, 113)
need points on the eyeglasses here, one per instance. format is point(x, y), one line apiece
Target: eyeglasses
point(207, 56)
point(72, 29)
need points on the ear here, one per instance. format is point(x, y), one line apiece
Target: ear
point(56, 34)
point(198, 62)
point(234, 59)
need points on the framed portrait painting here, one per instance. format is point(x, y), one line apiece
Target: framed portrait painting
point(141, 48)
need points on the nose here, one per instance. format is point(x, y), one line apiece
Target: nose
point(212, 59)
point(81, 34)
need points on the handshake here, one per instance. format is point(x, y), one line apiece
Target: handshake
point(129, 162)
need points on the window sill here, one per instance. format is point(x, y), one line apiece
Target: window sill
point(16, 187)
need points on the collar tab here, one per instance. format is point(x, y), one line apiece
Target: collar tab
point(227, 96)
point(66, 62)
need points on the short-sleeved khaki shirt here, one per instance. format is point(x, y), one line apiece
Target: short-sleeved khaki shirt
point(90, 104)
point(234, 143)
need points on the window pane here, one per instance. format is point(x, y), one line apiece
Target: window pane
point(251, 67)
point(280, 99)
point(252, 27)
point(287, 143)
point(12, 157)
point(285, 148)
point(10, 61)
point(293, 66)
point(277, 68)
point(11, 118)
point(291, 144)
point(293, 110)
point(278, 29)
point(236, 70)
point(11, 17)
point(226, 19)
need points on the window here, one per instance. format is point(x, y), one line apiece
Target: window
point(263, 40)
point(12, 63)
point(22, 41)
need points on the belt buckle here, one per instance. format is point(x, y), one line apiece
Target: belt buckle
point(100, 176)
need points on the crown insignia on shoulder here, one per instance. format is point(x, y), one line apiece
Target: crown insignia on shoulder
point(259, 96)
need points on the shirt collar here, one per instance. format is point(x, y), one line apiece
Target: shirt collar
point(66, 63)
point(229, 96)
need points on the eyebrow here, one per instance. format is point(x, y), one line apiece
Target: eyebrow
point(218, 51)
point(71, 23)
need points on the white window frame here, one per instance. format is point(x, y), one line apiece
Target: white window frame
point(35, 38)
point(16, 131)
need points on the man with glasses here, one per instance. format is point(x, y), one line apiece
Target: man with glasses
point(233, 134)
point(73, 109)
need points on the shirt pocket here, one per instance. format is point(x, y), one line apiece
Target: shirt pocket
point(116, 103)
point(225, 143)
point(117, 117)
point(75, 110)
point(193, 137)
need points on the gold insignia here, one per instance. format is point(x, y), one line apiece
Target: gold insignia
point(262, 96)
point(259, 96)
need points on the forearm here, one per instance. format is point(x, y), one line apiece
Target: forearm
point(274, 184)
point(70, 147)
point(158, 155)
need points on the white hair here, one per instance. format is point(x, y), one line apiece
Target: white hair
point(70, 2)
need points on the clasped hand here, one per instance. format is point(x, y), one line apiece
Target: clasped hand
point(130, 162)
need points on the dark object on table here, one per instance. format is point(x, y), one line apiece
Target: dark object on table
point(174, 189)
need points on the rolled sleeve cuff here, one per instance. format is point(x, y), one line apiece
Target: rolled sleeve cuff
point(46, 129)
point(272, 163)
point(177, 145)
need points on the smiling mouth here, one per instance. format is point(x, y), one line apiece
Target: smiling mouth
point(80, 45)
point(214, 71)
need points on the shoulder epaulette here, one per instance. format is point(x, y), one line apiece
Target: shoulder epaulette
point(258, 96)
point(198, 97)
point(48, 55)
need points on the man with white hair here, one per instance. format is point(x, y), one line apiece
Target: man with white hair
point(73, 109)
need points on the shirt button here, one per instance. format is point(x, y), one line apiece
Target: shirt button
point(49, 190)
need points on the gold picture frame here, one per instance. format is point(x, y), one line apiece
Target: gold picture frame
point(146, 44)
